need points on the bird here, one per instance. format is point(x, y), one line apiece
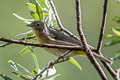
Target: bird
point(48, 35)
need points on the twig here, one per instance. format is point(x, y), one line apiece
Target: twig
point(111, 71)
point(102, 26)
point(107, 66)
point(59, 22)
point(53, 46)
point(118, 73)
point(8, 43)
point(51, 64)
point(62, 28)
point(84, 42)
point(42, 45)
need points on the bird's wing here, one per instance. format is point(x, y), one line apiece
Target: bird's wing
point(57, 35)
point(65, 38)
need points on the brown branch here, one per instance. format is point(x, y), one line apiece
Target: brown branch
point(84, 42)
point(42, 45)
point(102, 26)
point(107, 66)
point(21, 42)
point(111, 70)
point(8, 43)
point(51, 64)
point(62, 28)
point(85, 47)
point(118, 73)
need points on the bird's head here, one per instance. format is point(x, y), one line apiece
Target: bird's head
point(38, 25)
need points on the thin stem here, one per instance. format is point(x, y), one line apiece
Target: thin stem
point(84, 42)
point(103, 25)
point(51, 64)
point(118, 73)
point(111, 71)
point(62, 28)
point(8, 43)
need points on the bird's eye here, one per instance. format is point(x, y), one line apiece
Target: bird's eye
point(38, 24)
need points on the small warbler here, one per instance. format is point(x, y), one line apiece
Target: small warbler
point(45, 34)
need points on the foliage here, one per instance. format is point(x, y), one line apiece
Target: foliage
point(114, 39)
point(5, 77)
point(39, 10)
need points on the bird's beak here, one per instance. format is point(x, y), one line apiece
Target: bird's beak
point(29, 25)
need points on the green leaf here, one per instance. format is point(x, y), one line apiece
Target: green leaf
point(23, 19)
point(5, 77)
point(33, 10)
point(32, 1)
point(117, 19)
point(35, 72)
point(118, 1)
point(116, 57)
point(26, 33)
point(50, 18)
point(31, 6)
point(34, 15)
point(13, 65)
point(34, 58)
point(118, 51)
point(110, 43)
point(24, 51)
point(112, 37)
point(30, 34)
point(39, 12)
point(19, 17)
point(43, 4)
point(116, 31)
point(22, 76)
point(25, 69)
point(45, 14)
point(73, 61)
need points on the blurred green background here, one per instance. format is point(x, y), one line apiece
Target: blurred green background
point(91, 19)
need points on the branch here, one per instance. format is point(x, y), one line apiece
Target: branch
point(118, 73)
point(42, 45)
point(21, 42)
point(103, 25)
point(62, 28)
point(8, 43)
point(51, 64)
point(84, 42)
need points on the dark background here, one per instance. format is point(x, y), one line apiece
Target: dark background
point(91, 19)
